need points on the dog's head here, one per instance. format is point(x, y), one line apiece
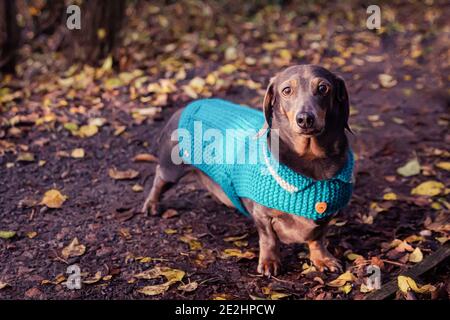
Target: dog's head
point(306, 100)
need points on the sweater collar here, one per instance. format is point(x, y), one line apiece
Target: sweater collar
point(292, 181)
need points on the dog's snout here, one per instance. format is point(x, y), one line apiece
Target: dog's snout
point(305, 120)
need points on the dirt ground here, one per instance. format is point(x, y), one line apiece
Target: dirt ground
point(395, 118)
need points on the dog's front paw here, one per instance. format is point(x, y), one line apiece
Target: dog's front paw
point(325, 261)
point(151, 208)
point(269, 267)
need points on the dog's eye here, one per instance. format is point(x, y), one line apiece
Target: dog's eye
point(287, 91)
point(322, 89)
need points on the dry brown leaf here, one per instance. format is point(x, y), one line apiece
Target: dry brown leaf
point(155, 289)
point(123, 175)
point(96, 278)
point(145, 157)
point(74, 249)
point(191, 286)
point(53, 199)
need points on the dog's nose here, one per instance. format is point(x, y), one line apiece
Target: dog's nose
point(305, 120)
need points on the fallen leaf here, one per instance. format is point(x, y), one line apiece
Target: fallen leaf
point(31, 234)
point(96, 278)
point(387, 81)
point(191, 286)
point(238, 253)
point(193, 243)
point(235, 238)
point(406, 283)
point(87, 131)
point(122, 175)
point(390, 196)
point(7, 234)
point(416, 256)
point(346, 288)
point(25, 157)
point(145, 157)
point(3, 285)
point(353, 256)
point(342, 280)
point(137, 188)
point(74, 249)
point(428, 188)
point(155, 289)
point(77, 153)
point(170, 213)
point(411, 168)
point(444, 165)
point(172, 275)
point(53, 199)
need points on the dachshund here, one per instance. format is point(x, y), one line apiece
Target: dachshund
point(309, 108)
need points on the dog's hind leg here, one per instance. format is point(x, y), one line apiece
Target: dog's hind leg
point(151, 202)
point(167, 172)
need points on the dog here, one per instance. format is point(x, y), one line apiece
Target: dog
point(306, 107)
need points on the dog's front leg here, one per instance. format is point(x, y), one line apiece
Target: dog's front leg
point(269, 255)
point(321, 257)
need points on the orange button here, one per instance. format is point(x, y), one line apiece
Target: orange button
point(321, 207)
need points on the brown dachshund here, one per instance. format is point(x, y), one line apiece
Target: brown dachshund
point(309, 106)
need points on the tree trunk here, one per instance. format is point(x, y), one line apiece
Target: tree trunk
point(9, 36)
point(100, 26)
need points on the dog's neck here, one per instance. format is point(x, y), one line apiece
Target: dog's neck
point(318, 157)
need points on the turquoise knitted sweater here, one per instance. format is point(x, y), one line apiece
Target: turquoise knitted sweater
point(220, 138)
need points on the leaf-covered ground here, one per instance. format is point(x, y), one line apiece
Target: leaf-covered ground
point(70, 181)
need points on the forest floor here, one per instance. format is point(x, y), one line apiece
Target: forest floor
point(77, 129)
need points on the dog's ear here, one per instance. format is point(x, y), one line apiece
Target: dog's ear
point(342, 100)
point(268, 104)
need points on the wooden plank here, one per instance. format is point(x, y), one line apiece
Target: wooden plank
point(414, 272)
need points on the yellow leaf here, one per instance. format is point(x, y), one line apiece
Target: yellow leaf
point(7, 234)
point(87, 131)
point(25, 157)
point(416, 255)
point(390, 196)
point(101, 33)
point(342, 280)
point(107, 64)
point(365, 289)
point(428, 188)
point(444, 165)
point(74, 249)
point(411, 168)
point(278, 295)
point(238, 253)
point(346, 288)
point(53, 199)
point(170, 231)
point(172, 275)
point(406, 283)
point(193, 243)
point(155, 289)
point(77, 153)
point(228, 69)
point(122, 175)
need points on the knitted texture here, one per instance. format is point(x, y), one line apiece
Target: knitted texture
point(243, 166)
